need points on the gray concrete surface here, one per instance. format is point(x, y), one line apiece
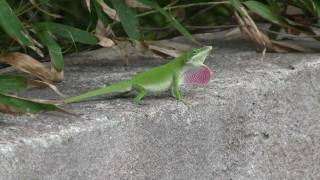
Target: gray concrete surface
point(257, 119)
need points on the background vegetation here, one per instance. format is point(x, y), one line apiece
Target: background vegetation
point(33, 29)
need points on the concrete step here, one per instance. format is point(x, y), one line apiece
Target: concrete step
point(259, 118)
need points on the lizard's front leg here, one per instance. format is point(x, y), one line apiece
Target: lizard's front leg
point(175, 89)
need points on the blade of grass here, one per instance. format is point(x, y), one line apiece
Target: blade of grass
point(236, 4)
point(274, 6)
point(53, 47)
point(101, 15)
point(317, 8)
point(20, 105)
point(264, 11)
point(128, 19)
point(70, 32)
point(174, 22)
point(12, 25)
point(12, 83)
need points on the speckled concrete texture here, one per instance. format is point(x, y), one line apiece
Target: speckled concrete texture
point(259, 118)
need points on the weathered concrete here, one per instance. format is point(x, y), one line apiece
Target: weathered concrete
point(257, 119)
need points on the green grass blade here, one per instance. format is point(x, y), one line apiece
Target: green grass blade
point(23, 105)
point(264, 11)
point(12, 25)
point(53, 47)
point(72, 33)
point(273, 31)
point(174, 22)
point(274, 6)
point(12, 83)
point(317, 9)
point(100, 14)
point(128, 19)
point(236, 4)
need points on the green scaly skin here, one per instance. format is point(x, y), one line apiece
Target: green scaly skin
point(158, 79)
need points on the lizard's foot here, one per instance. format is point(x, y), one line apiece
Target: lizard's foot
point(184, 101)
point(139, 102)
point(136, 101)
point(141, 93)
point(180, 99)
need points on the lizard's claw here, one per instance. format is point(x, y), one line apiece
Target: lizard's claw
point(138, 102)
point(181, 99)
point(184, 101)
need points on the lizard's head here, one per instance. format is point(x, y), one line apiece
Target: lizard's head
point(195, 72)
point(197, 56)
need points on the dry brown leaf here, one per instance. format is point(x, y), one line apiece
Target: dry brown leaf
point(42, 84)
point(141, 46)
point(170, 44)
point(88, 5)
point(136, 4)
point(57, 76)
point(103, 31)
point(31, 66)
point(167, 48)
point(164, 52)
point(292, 46)
point(250, 31)
point(108, 10)
point(124, 45)
point(164, 49)
point(104, 41)
point(102, 34)
point(126, 48)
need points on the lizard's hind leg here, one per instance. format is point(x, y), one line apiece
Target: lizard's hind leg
point(141, 93)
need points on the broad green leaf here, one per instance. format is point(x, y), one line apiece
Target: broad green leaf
point(53, 47)
point(12, 83)
point(71, 33)
point(12, 25)
point(264, 11)
point(128, 19)
point(174, 22)
point(17, 104)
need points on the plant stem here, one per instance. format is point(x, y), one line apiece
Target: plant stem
point(184, 6)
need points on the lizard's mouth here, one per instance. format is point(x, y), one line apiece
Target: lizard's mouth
point(200, 56)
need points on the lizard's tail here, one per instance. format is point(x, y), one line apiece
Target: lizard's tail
point(120, 87)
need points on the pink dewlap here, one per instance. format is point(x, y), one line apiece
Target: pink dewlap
point(200, 75)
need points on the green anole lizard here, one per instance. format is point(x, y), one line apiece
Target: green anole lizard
point(185, 69)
